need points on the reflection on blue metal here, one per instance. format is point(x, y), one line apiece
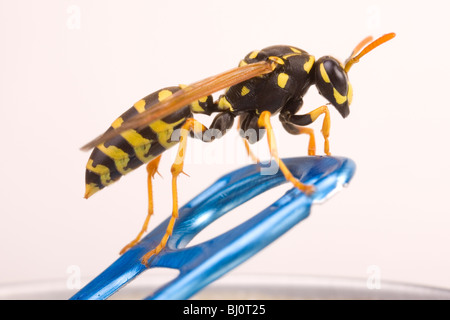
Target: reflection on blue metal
point(201, 264)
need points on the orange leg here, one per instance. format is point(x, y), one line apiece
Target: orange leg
point(312, 139)
point(152, 169)
point(264, 121)
point(293, 126)
point(247, 147)
point(325, 125)
point(177, 168)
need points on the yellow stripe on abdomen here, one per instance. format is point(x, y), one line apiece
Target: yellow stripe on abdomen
point(164, 131)
point(140, 144)
point(102, 171)
point(120, 157)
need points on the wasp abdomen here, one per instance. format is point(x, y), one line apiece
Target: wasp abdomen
point(116, 157)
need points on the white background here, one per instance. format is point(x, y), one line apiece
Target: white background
point(69, 68)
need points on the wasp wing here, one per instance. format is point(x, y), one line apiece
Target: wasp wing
point(186, 96)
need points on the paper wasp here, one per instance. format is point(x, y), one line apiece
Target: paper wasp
point(266, 82)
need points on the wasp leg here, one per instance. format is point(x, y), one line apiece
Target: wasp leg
point(246, 144)
point(264, 121)
point(197, 128)
point(288, 120)
point(294, 129)
point(152, 169)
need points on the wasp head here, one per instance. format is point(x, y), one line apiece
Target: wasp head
point(332, 83)
point(331, 75)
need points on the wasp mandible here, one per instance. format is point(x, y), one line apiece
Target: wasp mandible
point(266, 82)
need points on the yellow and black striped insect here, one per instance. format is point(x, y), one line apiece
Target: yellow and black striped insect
point(266, 82)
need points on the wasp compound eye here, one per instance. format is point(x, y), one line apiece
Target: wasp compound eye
point(332, 82)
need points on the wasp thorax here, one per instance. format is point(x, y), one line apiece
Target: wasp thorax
point(332, 82)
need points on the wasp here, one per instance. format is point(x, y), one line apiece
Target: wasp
point(270, 81)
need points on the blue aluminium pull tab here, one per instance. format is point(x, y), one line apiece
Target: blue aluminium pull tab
point(201, 264)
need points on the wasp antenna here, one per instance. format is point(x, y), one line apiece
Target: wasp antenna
point(367, 49)
point(359, 47)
